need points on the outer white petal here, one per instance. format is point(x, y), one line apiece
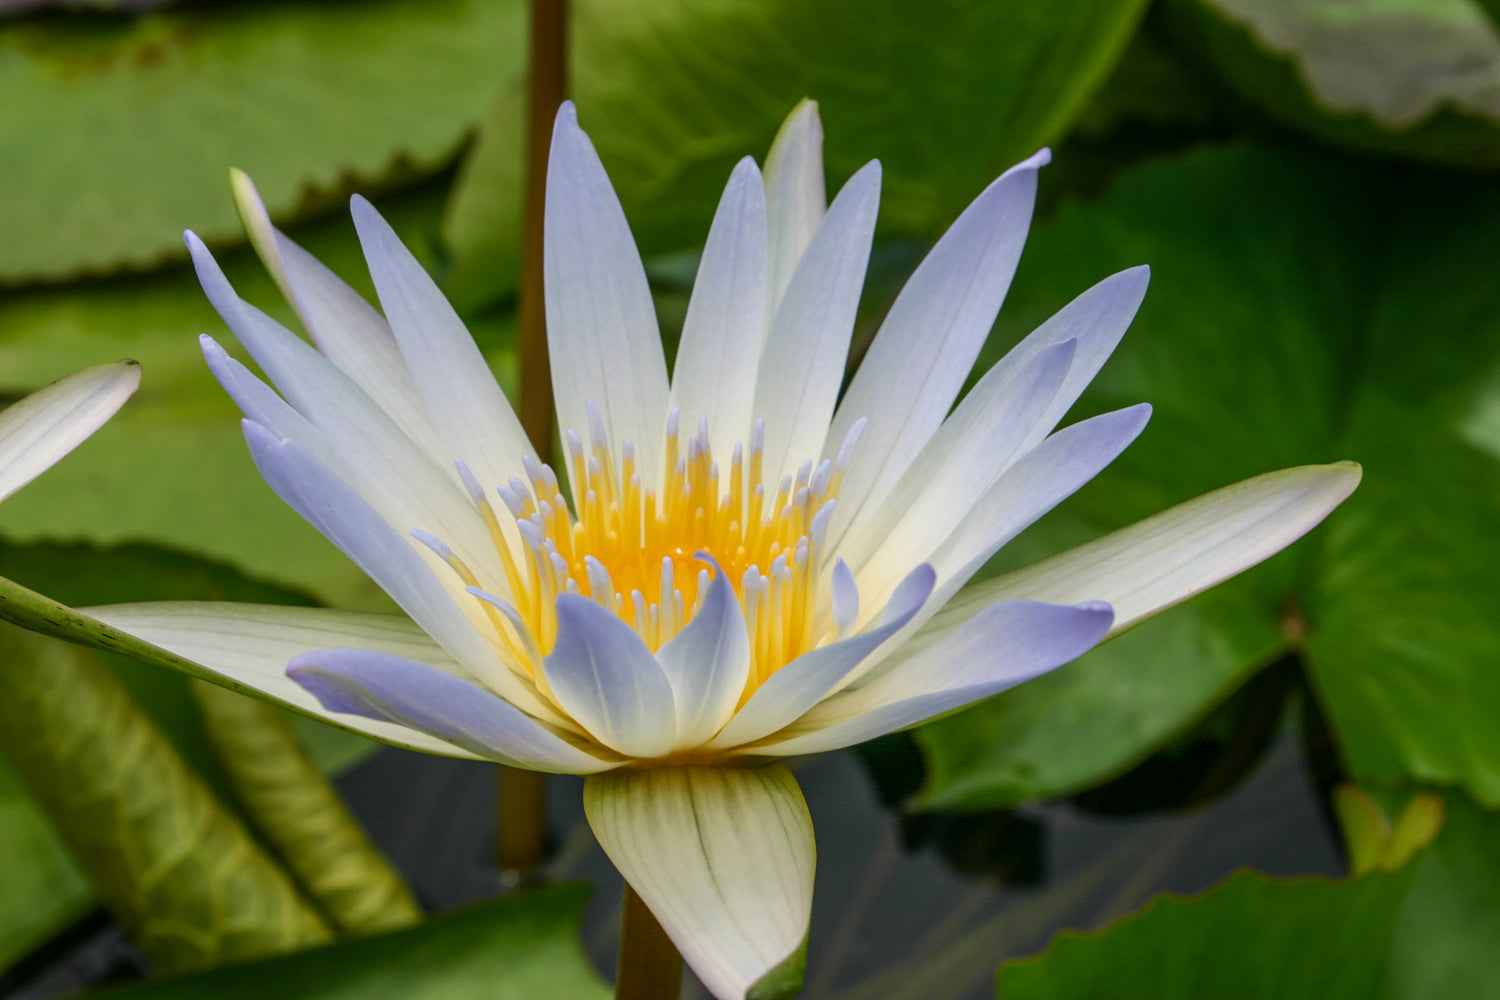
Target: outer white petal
point(1163, 560)
point(795, 195)
point(971, 451)
point(601, 324)
point(387, 557)
point(1004, 645)
point(724, 859)
point(49, 423)
point(251, 644)
point(707, 663)
point(811, 677)
point(390, 688)
point(602, 674)
point(919, 360)
point(457, 390)
point(726, 317)
point(346, 328)
point(802, 366)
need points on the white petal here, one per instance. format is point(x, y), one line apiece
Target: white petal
point(802, 366)
point(251, 644)
point(813, 676)
point(601, 324)
point(346, 328)
point(1097, 319)
point(375, 456)
point(49, 423)
point(919, 360)
point(970, 452)
point(388, 688)
point(726, 317)
point(707, 663)
point(387, 557)
point(1165, 559)
point(724, 859)
point(603, 675)
point(457, 389)
point(795, 196)
point(1004, 645)
point(1039, 481)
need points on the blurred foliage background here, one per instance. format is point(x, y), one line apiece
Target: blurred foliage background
point(1314, 183)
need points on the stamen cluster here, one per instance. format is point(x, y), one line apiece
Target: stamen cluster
point(647, 553)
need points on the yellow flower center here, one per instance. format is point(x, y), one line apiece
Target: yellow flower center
point(635, 548)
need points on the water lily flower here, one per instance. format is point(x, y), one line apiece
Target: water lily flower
point(43, 427)
point(730, 566)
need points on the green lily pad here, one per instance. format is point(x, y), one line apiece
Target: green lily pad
point(44, 890)
point(121, 131)
point(674, 94)
point(1303, 309)
point(1418, 78)
point(1252, 938)
point(1445, 939)
point(521, 947)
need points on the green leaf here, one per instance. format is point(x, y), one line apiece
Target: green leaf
point(121, 131)
point(1445, 940)
point(302, 817)
point(186, 880)
point(44, 890)
point(1291, 319)
point(521, 947)
point(1420, 78)
point(674, 94)
point(1252, 938)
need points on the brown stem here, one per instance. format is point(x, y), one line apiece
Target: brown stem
point(650, 968)
point(522, 833)
point(547, 87)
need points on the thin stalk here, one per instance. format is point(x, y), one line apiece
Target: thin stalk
point(650, 968)
point(521, 838)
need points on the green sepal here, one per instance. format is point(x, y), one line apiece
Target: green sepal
point(785, 980)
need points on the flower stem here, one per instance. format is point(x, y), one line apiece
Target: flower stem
point(547, 86)
point(522, 834)
point(649, 968)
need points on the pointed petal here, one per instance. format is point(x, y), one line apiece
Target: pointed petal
point(708, 663)
point(249, 646)
point(1097, 319)
point(1163, 560)
point(49, 423)
point(603, 675)
point(386, 556)
point(795, 196)
point(813, 676)
point(411, 694)
point(1048, 474)
point(919, 360)
point(1004, 645)
point(458, 392)
point(601, 323)
point(802, 366)
point(346, 328)
point(373, 455)
point(970, 452)
point(724, 859)
point(726, 317)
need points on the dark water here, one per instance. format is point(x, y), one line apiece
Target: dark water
point(890, 921)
